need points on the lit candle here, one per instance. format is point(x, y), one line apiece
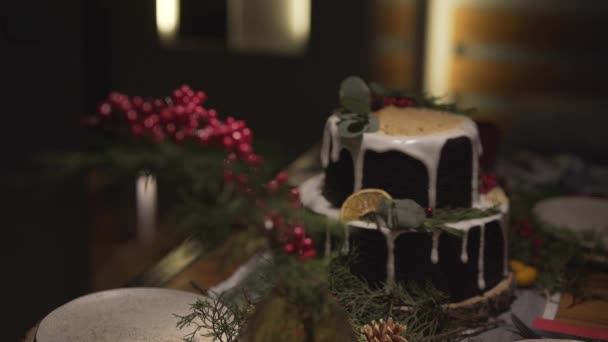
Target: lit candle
point(167, 20)
point(145, 192)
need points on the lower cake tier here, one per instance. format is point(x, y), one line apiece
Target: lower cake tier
point(461, 267)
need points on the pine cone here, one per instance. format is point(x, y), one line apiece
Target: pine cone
point(383, 331)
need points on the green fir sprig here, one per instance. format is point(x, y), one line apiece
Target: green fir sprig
point(441, 217)
point(421, 307)
point(214, 318)
point(420, 99)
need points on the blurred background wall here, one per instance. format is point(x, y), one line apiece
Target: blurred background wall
point(540, 61)
point(536, 69)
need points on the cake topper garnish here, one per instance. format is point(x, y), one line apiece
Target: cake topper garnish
point(358, 100)
point(356, 112)
point(383, 97)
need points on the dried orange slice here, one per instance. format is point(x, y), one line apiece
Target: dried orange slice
point(361, 203)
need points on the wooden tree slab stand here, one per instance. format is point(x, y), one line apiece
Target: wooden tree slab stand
point(492, 302)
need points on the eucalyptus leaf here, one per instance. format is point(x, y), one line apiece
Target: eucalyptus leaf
point(357, 127)
point(402, 213)
point(354, 86)
point(355, 105)
point(351, 128)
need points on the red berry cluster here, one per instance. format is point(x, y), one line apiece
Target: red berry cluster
point(277, 185)
point(300, 245)
point(182, 116)
point(428, 211)
point(397, 101)
point(179, 117)
point(488, 182)
point(524, 227)
point(240, 179)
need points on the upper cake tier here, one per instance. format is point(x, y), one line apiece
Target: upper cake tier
point(422, 154)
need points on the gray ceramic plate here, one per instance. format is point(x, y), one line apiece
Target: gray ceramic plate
point(576, 213)
point(120, 315)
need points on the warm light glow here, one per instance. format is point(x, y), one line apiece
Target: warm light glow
point(167, 19)
point(269, 26)
point(299, 20)
point(438, 49)
point(145, 193)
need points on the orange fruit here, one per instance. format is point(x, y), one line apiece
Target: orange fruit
point(361, 203)
point(526, 277)
point(516, 265)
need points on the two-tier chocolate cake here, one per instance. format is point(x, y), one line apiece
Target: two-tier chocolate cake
point(431, 157)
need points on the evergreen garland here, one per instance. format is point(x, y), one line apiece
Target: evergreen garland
point(417, 99)
point(441, 217)
point(426, 317)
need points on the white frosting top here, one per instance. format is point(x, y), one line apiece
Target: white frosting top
point(425, 148)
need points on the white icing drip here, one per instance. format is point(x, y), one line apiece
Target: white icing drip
point(390, 237)
point(325, 145)
point(327, 243)
point(481, 281)
point(466, 225)
point(335, 139)
point(435, 248)
point(358, 163)
point(390, 259)
point(464, 254)
point(425, 148)
point(346, 245)
point(331, 143)
point(504, 225)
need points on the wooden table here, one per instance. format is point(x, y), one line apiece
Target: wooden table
point(183, 262)
point(199, 261)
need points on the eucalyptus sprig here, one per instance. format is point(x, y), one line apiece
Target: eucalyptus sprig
point(355, 112)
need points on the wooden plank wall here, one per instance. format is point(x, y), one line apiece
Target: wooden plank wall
point(517, 57)
point(396, 47)
point(510, 57)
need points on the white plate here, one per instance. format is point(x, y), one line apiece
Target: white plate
point(121, 315)
point(576, 213)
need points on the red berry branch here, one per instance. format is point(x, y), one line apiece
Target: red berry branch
point(300, 245)
point(183, 116)
point(177, 118)
point(488, 182)
point(397, 101)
